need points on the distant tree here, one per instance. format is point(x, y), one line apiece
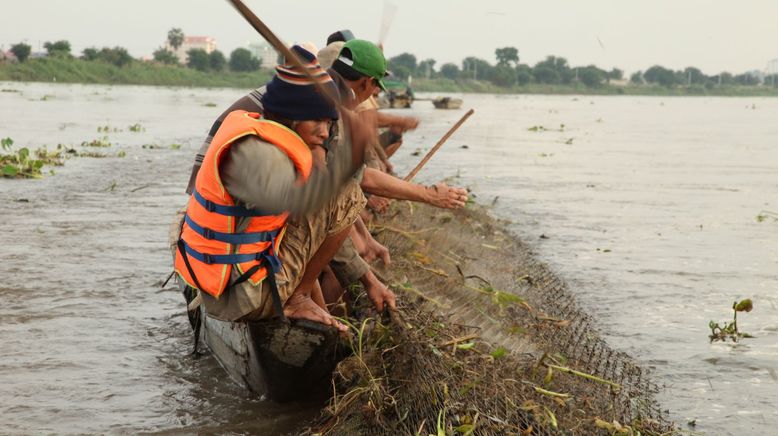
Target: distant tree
point(693, 76)
point(58, 48)
point(475, 68)
point(216, 60)
point(545, 74)
point(746, 79)
point(506, 55)
point(90, 54)
point(165, 56)
point(726, 78)
point(403, 65)
point(21, 51)
point(615, 74)
point(636, 78)
point(523, 74)
point(242, 59)
point(198, 59)
point(591, 76)
point(426, 68)
point(660, 75)
point(118, 56)
point(503, 76)
point(561, 70)
point(175, 37)
point(449, 71)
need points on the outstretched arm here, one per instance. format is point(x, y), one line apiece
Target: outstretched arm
point(438, 195)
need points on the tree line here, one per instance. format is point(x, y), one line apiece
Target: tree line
point(240, 60)
point(507, 72)
point(554, 70)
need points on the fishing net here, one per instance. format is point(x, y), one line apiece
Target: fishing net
point(487, 341)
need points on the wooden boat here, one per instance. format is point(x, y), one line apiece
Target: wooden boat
point(395, 100)
point(276, 359)
point(447, 103)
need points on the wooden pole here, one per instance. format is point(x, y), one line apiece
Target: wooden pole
point(290, 56)
point(445, 137)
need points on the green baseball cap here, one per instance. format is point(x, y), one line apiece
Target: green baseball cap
point(366, 58)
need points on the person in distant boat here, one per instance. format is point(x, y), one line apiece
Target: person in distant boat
point(268, 209)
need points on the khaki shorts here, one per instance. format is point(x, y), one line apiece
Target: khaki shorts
point(302, 239)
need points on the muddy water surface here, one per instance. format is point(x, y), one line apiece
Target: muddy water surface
point(647, 206)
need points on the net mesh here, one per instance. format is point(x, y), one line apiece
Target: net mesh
point(487, 341)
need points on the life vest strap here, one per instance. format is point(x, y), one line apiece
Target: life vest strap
point(231, 259)
point(272, 261)
point(232, 238)
point(221, 209)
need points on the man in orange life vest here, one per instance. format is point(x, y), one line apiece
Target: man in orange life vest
point(263, 193)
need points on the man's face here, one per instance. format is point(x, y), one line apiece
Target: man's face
point(366, 86)
point(314, 133)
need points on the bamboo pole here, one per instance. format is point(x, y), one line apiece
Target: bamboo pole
point(437, 146)
point(279, 45)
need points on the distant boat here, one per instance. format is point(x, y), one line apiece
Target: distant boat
point(447, 103)
point(398, 95)
point(395, 100)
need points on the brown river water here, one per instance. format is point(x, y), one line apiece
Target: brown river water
point(647, 206)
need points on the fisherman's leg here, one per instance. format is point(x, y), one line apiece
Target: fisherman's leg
point(324, 232)
point(330, 285)
point(301, 303)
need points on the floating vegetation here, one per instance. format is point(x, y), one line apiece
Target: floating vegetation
point(766, 214)
point(546, 129)
point(11, 90)
point(100, 142)
point(569, 141)
point(416, 152)
point(136, 128)
point(107, 129)
point(47, 97)
point(95, 154)
point(152, 146)
point(209, 104)
point(121, 153)
point(175, 146)
point(22, 164)
point(729, 330)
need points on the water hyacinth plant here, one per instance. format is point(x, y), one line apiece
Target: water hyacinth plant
point(729, 330)
point(23, 164)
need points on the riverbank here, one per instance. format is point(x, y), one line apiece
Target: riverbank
point(487, 341)
point(73, 70)
point(480, 86)
point(64, 70)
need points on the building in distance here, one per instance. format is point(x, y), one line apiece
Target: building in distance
point(266, 54)
point(192, 42)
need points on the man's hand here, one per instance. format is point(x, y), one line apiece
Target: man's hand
point(446, 197)
point(378, 293)
point(377, 204)
point(374, 250)
point(404, 124)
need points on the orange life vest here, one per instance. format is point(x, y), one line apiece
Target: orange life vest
point(209, 246)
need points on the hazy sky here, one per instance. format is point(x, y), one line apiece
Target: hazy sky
point(714, 35)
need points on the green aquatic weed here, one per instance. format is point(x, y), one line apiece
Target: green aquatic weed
point(729, 330)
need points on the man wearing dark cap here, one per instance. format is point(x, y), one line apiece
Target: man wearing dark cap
point(268, 184)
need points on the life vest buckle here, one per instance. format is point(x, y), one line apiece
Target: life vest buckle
point(210, 206)
point(208, 233)
point(208, 259)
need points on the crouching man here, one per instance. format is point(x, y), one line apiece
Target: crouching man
point(268, 211)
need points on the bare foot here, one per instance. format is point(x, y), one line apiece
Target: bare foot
point(301, 306)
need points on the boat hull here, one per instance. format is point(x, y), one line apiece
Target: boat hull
point(276, 359)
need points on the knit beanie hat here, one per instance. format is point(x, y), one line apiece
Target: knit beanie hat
point(292, 95)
